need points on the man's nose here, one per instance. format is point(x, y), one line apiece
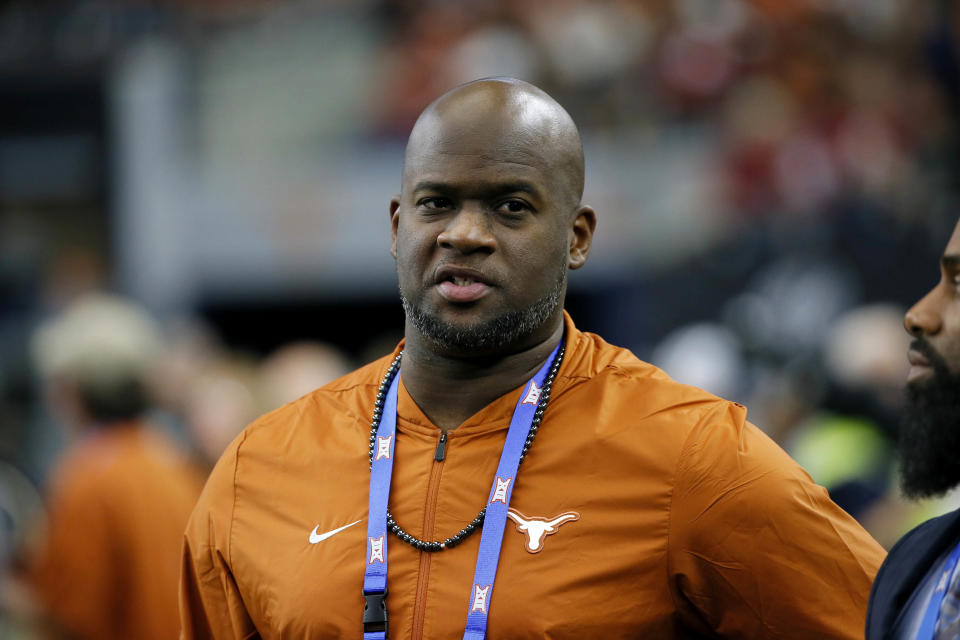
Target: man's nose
point(924, 318)
point(468, 231)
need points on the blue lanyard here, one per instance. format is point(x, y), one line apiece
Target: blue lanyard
point(929, 623)
point(491, 537)
point(375, 576)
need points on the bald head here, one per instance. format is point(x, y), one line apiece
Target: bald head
point(489, 219)
point(520, 121)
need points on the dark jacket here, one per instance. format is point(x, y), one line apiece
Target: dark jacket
point(904, 569)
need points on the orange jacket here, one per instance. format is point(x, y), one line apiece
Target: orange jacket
point(688, 520)
point(118, 503)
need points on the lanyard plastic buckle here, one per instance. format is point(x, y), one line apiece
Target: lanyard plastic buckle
point(375, 612)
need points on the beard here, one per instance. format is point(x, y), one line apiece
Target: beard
point(929, 438)
point(491, 335)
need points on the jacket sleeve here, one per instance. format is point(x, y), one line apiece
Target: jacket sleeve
point(210, 602)
point(756, 549)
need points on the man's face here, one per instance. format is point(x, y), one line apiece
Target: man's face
point(483, 236)
point(934, 321)
point(930, 432)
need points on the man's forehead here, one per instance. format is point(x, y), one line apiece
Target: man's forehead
point(496, 126)
point(487, 154)
point(440, 157)
point(490, 138)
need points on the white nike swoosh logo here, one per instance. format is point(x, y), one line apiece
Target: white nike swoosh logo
point(320, 537)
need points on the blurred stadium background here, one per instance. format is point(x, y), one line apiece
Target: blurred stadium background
point(775, 180)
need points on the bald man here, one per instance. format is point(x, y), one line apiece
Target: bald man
point(503, 474)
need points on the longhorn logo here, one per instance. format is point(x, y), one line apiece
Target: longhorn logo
point(536, 529)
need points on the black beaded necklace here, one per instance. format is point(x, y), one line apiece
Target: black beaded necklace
point(473, 525)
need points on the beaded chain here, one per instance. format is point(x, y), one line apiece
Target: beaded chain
point(473, 525)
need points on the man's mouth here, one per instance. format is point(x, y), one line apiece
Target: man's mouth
point(461, 285)
point(919, 367)
point(923, 361)
point(917, 359)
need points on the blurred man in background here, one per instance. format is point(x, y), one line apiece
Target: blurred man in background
point(296, 369)
point(119, 499)
point(917, 591)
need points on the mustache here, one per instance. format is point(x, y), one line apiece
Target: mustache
point(924, 348)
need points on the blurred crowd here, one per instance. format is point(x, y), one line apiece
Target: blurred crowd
point(803, 104)
point(143, 411)
point(828, 134)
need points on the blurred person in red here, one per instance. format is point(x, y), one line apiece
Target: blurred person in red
point(916, 593)
point(119, 499)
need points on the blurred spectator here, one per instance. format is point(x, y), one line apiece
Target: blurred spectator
point(297, 369)
point(120, 497)
point(21, 521)
point(218, 404)
point(704, 355)
point(190, 349)
point(864, 352)
point(844, 437)
point(846, 454)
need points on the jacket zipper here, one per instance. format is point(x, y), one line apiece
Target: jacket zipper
point(441, 452)
point(429, 516)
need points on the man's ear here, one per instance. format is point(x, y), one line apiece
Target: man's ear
point(394, 221)
point(581, 236)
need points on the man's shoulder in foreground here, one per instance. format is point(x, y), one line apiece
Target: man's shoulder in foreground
point(590, 357)
point(744, 517)
point(647, 410)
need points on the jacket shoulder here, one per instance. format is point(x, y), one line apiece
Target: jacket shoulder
point(637, 394)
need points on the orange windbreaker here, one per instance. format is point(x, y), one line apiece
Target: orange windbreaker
point(118, 503)
point(689, 520)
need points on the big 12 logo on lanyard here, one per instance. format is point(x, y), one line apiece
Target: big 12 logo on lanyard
point(375, 623)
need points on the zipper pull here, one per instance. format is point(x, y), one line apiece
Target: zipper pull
point(441, 448)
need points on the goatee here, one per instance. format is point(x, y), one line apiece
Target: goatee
point(491, 335)
point(929, 439)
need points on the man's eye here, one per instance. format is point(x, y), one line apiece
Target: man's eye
point(513, 207)
point(435, 203)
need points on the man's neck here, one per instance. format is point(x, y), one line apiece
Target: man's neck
point(450, 389)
